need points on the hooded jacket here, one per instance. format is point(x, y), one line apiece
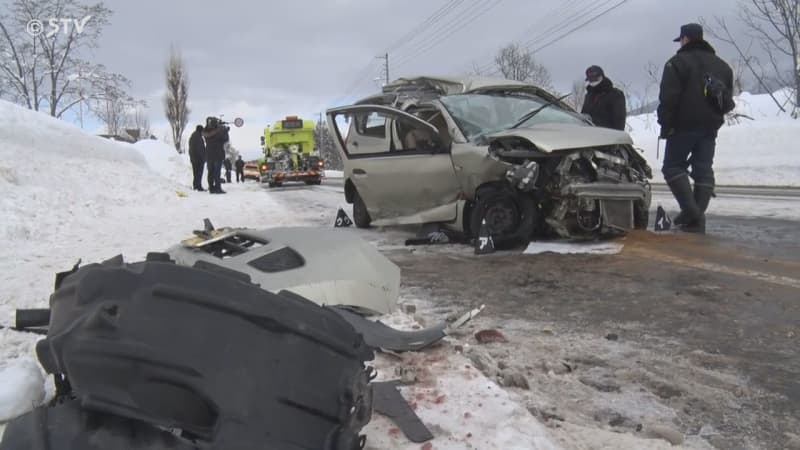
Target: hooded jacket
point(215, 143)
point(606, 105)
point(197, 148)
point(682, 103)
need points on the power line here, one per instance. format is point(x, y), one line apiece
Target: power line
point(438, 32)
point(435, 17)
point(450, 31)
point(583, 24)
point(427, 23)
point(567, 18)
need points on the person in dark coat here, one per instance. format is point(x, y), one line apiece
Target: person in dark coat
point(239, 170)
point(689, 122)
point(604, 103)
point(228, 168)
point(197, 156)
point(216, 136)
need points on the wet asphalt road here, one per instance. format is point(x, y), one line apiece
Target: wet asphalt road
point(730, 296)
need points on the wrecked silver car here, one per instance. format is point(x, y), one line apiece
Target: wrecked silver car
point(458, 152)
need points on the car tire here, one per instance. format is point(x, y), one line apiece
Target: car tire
point(641, 216)
point(360, 214)
point(511, 216)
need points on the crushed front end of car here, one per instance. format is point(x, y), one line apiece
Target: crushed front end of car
point(585, 192)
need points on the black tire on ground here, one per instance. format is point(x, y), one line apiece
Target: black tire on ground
point(360, 214)
point(273, 184)
point(510, 216)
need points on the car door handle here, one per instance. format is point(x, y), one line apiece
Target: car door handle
point(359, 172)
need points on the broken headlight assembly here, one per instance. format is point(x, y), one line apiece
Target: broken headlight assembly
point(524, 176)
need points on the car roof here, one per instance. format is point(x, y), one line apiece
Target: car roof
point(452, 85)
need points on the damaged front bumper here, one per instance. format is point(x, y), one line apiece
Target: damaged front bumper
point(598, 208)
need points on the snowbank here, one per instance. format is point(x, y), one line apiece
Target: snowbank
point(334, 174)
point(21, 388)
point(165, 161)
point(758, 152)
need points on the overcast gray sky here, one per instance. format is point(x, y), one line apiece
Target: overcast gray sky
point(264, 60)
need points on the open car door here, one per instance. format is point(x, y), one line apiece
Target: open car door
point(397, 162)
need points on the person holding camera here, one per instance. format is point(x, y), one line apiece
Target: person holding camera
point(215, 135)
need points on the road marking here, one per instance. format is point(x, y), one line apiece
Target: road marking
point(719, 268)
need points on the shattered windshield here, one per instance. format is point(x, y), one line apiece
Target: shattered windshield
point(481, 114)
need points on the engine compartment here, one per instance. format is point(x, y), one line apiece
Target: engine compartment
point(581, 193)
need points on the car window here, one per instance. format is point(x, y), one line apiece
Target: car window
point(479, 114)
point(412, 137)
point(372, 124)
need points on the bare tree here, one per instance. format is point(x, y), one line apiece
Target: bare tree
point(138, 120)
point(578, 94)
point(175, 99)
point(324, 143)
point(477, 70)
point(776, 26)
point(516, 63)
point(112, 106)
point(43, 41)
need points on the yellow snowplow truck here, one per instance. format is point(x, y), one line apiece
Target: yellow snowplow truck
point(289, 153)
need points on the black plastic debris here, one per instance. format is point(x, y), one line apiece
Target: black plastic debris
point(381, 336)
point(142, 347)
point(66, 426)
point(389, 402)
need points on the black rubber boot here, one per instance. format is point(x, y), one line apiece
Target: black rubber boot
point(682, 191)
point(702, 196)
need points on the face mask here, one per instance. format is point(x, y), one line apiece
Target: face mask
point(594, 83)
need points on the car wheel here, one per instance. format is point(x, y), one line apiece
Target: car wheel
point(510, 216)
point(360, 213)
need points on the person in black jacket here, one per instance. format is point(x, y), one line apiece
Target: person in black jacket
point(228, 168)
point(239, 170)
point(689, 122)
point(604, 103)
point(216, 136)
point(197, 156)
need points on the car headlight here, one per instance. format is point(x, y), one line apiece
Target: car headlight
point(524, 176)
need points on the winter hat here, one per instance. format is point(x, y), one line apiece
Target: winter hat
point(594, 73)
point(693, 31)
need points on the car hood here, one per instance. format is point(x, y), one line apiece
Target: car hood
point(551, 137)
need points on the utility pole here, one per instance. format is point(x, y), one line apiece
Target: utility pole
point(385, 57)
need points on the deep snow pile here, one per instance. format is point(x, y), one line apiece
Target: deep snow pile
point(761, 151)
point(165, 161)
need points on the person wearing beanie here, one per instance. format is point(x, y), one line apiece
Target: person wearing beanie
point(695, 94)
point(604, 103)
